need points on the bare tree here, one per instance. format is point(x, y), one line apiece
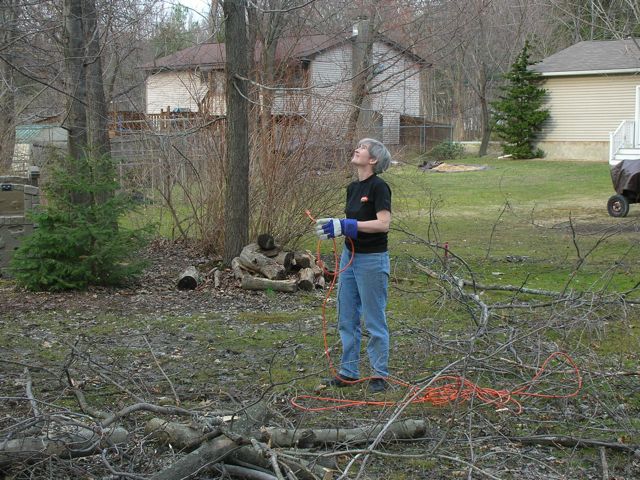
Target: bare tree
point(9, 12)
point(237, 164)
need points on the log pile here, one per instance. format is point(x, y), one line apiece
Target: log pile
point(265, 266)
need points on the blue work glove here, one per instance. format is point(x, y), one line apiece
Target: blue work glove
point(333, 227)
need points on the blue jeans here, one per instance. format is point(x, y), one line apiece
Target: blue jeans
point(362, 292)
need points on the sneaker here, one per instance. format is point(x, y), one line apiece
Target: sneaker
point(341, 381)
point(377, 385)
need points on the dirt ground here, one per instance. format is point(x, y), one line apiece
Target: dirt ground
point(223, 349)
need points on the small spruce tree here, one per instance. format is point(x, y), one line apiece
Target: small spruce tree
point(518, 114)
point(78, 241)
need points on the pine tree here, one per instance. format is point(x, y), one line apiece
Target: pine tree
point(77, 244)
point(519, 115)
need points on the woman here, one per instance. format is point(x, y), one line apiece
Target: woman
point(362, 289)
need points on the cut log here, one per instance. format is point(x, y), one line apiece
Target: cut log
point(320, 282)
point(251, 259)
point(306, 279)
point(281, 437)
point(189, 279)
point(303, 260)
point(285, 259)
point(250, 282)
point(236, 267)
point(266, 241)
point(73, 441)
point(271, 253)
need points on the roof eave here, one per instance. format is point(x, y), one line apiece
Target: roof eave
point(177, 68)
point(589, 72)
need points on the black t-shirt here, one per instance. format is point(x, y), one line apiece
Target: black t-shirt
point(364, 200)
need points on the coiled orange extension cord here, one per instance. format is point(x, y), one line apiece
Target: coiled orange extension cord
point(443, 389)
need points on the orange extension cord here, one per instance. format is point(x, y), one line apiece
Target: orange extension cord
point(443, 389)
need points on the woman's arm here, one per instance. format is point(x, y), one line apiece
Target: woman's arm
point(380, 224)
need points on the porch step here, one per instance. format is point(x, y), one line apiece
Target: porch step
point(628, 154)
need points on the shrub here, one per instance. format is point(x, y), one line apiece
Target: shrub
point(447, 151)
point(78, 241)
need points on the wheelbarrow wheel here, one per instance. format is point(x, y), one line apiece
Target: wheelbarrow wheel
point(618, 206)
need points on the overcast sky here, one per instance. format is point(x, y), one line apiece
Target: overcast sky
point(200, 6)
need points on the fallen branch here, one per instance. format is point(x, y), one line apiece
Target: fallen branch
point(182, 437)
point(564, 441)
point(70, 442)
point(479, 286)
point(281, 437)
point(209, 453)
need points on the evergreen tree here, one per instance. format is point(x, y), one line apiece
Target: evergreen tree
point(77, 244)
point(519, 115)
point(175, 33)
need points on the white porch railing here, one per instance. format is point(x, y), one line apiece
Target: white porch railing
point(290, 101)
point(623, 137)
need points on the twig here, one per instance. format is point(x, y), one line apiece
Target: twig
point(175, 395)
point(470, 465)
point(603, 462)
point(116, 473)
point(555, 440)
point(262, 448)
point(148, 407)
point(402, 406)
point(29, 391)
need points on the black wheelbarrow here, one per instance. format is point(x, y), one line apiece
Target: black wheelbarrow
point(626, 182)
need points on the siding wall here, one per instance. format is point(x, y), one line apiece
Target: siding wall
point(175, 89)
point(330, 72)
point(586, 109)
point(396, 89)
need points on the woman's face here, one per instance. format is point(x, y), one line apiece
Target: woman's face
point(361, 155)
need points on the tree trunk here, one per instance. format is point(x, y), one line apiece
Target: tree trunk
point(8, 29)
point(236, 218)
point(360, 118)
point(96, 113)
point(76, 121)
point(485, 123)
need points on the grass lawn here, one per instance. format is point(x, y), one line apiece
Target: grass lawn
point(551, 214)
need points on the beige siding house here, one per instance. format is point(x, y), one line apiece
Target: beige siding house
point(591, 90)
point(318, 88)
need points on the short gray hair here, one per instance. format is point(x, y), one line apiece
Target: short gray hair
point(378, 151)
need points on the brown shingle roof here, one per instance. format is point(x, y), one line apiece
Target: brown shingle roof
point(592, 56)
point(212, 55)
